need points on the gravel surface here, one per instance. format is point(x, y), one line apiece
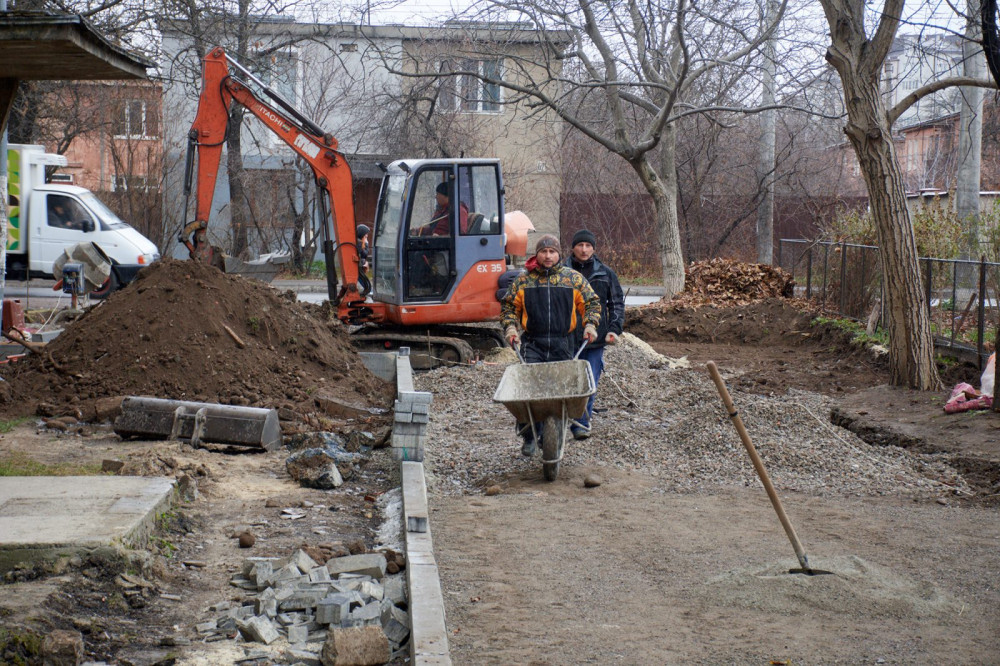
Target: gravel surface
point(670, 423)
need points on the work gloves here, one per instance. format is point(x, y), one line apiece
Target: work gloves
point(611, 338)
point(589, 332)
point(511, 336)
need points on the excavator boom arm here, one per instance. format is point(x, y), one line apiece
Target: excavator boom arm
point(318, 149)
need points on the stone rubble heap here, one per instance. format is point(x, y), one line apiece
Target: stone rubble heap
point(307, 603)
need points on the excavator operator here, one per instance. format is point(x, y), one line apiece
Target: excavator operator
point(440, 224)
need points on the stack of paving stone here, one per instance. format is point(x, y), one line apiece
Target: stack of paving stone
point(303, 601)
point(412, 413)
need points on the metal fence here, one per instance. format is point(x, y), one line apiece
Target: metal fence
point(846, 279)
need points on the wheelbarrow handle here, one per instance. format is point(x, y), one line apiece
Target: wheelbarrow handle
point(517, 349)
point(580, 350)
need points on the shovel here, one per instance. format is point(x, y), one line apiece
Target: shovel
point(758, 465)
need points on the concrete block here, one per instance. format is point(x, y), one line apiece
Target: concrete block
point(319, 575)
point(397, 628)
point(206, 627)
point(250, 562)
point(369, 614)
point(420, 418)
point(401, 417)
point(420, 408)
point(302, 600)
point(408, 453)
point(268, 607)
point(394, 589)
point(371, 589)
point(299, 655)
point(415, 397)
point(261, 573)
point(298, 633)
point(258, 629)
point(357, 646)
point(414, 497)
point(289, 572)
point(301, 560)
point(333, 609)
point(409, 428)
point(371, 564)
point(380, 364)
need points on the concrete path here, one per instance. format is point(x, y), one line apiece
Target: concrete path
point(47, 516)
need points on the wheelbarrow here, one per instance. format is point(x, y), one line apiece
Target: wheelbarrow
point(550, 394)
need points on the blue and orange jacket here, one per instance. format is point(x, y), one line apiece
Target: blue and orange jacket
point(545, 301)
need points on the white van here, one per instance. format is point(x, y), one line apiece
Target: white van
point(47, 218)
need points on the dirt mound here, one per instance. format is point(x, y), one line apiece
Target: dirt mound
point(729, 282)
point(760, 322)
point(186, 331)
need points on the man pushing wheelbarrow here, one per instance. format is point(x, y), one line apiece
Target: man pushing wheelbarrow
point(543, 301)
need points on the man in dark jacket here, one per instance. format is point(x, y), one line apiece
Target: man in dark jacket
point(549, 301)
point(605, 284)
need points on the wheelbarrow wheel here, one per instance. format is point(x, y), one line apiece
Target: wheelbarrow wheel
point(551, 443)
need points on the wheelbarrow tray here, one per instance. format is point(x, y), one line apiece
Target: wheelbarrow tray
point(546, 388)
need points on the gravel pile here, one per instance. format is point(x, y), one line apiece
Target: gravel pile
point(670, 424)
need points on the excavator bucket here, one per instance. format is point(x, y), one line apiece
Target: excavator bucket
point(197, 422)
point(264, 269)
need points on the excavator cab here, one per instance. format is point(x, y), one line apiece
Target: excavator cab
point(438, 240)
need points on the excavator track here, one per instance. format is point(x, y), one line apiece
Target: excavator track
point(431, 347)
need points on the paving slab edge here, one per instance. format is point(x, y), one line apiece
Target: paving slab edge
point(428, 629)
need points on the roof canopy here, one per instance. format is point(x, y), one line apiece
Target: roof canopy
point(36, 46)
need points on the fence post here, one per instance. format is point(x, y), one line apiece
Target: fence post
point(779, 253)
point(843, 278)
point(930, 276)
point(954, 298)
point(826, 271)
point(809, 273)
point(981, 326)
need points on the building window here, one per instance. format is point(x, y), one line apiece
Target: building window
point(134, 184)
point(134, 120)
point(468, 92)
point(279, 72)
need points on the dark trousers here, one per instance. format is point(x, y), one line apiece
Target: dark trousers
point(594, 356)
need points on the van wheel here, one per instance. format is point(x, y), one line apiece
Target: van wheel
point(110, 285)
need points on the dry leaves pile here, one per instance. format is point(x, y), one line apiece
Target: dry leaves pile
point(727, 282)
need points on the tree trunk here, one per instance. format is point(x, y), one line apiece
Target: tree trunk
point(911, 347)
point(663, 188)
point(239, 219)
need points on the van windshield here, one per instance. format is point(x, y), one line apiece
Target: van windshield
point(108, 218)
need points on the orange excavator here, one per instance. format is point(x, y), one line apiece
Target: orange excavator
point(440, 241)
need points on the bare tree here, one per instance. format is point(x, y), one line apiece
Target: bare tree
point(858, 57)
point(641, 62)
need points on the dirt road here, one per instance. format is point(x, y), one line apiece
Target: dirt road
point(626, 574)
point(678, 556)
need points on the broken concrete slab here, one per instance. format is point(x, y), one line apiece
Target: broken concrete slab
point(369, 564)
point(45, 517)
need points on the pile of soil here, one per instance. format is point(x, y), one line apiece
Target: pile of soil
point(727, 282)
point(186, 331)
point(762, 322)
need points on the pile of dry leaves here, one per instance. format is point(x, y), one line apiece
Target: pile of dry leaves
point(724, 282)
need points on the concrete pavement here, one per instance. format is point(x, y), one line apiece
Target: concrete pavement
point(44, 517)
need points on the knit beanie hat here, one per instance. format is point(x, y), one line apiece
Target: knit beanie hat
point(442, 188)
point(548, 240)
point(584, 236)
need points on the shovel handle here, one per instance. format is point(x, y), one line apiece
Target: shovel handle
point(758, 464)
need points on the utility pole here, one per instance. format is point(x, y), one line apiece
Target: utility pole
point(765, 168)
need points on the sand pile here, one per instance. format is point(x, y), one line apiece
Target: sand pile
point(186, 331)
